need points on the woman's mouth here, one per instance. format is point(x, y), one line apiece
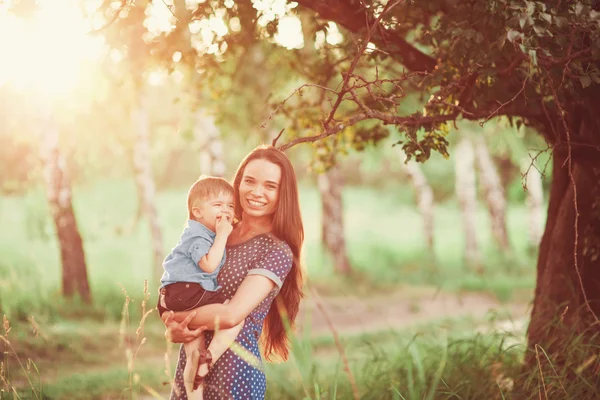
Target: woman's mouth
point(256, 204)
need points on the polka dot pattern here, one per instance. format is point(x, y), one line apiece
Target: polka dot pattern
point(238, 374)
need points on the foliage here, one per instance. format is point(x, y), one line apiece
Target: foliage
point(472, 60)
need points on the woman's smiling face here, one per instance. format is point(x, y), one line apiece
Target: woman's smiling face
point(259, 188)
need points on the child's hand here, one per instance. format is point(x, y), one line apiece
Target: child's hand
point(224, 226)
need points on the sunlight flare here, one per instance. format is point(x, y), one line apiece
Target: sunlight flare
point(46, 53)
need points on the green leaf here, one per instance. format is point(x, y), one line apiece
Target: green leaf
point(530, 8)
point(561, 22)
point(513, 35)
point(585, 81)
point(539, 30)
point(547, 17)
point(522, 21)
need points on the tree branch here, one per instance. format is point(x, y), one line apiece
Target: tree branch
point(350, 15)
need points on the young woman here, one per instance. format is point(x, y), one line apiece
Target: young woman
point(261, 277)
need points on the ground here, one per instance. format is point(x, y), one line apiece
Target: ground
point(105, 351)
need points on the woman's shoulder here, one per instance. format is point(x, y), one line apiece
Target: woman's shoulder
point(274, 244)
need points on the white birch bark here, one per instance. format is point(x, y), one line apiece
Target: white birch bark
point(534, 201)
point(493, 193)
point(467, 197)
point(424, 196)
point(207, 140)
point(332, 222)
point(59, 195)
point(145, 182)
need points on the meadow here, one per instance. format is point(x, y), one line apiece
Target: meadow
point(384, 241)
point(81, 352)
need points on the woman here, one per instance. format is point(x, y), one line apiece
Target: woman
point(261, 277)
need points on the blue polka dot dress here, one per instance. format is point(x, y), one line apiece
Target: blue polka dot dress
point(238, 374)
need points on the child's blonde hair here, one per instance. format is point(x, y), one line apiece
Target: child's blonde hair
point(205, 188)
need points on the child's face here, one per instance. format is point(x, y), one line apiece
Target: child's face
point(209, 210)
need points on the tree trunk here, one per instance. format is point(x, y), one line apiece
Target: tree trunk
point(145, 183)
point(424, 195)
point(332, 234)
point(208, 141)
point(562, 323)
point(467, 197)
point(493, 193)
point(535, 202)
point(58, 192)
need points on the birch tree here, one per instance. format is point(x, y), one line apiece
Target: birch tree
point(466, 192)
point(424, 195)
point(144, 179)
point(330, 185)
point(59, 195)
point(493, 193)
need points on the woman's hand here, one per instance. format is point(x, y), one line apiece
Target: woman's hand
point(179, 332)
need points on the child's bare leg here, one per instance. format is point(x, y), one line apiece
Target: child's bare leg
point(192, 353)
point(222, 340)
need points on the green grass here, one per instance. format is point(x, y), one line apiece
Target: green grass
point(437, 360)
point(384, 239)
point(441, 359)
point(72, 364)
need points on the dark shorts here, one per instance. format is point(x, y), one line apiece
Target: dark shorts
point(185, 296)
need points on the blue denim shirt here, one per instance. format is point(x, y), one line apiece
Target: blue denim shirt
point(181, 265)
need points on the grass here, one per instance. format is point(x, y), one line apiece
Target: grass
point(384, 240)
point(96, 367)
point(446, 359)
point(465, 358)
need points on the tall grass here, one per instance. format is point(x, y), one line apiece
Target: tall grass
point(432, 361)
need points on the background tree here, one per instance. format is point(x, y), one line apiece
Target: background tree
point(59, 195)
point(493, 193)
point(424, 195)
point(466, 192)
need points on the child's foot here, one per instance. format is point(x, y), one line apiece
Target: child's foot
point(204, 364)
point(190, 371)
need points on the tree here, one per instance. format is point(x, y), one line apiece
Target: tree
point(466, 193)
point(59, 194)
point(534, 62)
point(332, 224)
point(534, 201)
point(144, 180)
point(126, 34)
point(529, 77)
point(493, 193)
point(424, 195)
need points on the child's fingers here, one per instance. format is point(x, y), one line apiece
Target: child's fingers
point(198, 331)
point(186, 321)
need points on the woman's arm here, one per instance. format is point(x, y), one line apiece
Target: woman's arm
point(253, 290)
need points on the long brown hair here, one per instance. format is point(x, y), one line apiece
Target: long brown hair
point(287, 226)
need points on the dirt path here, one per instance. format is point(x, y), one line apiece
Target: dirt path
point(398, 310)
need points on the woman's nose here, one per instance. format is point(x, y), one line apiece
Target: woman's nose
point(257, 191)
